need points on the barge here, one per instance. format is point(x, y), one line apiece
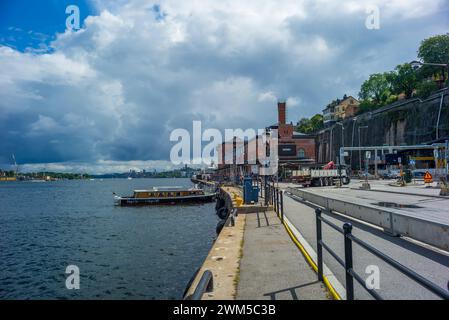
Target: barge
point(165, 196)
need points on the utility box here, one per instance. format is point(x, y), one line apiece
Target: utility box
point(250, 191)
point(408, 175)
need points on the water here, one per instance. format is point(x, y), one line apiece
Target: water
point(122, 253)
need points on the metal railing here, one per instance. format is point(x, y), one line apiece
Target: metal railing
point(347, 263)
point(206, 284)
point(276, 198)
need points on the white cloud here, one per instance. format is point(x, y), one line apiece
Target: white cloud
point(115, 89)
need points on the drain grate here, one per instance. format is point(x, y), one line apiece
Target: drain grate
point(396, 205)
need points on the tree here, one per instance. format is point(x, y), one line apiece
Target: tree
point(403, 80)
point(317, 122)
point(376, 89)
point(425, 88)
point(434, 50)
point(304, 125)
point(314, 124)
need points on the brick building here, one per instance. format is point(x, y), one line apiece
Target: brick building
point(294, 149)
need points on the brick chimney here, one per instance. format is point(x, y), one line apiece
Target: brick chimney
point(281, 112)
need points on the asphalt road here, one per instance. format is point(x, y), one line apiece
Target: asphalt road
point(425, 260)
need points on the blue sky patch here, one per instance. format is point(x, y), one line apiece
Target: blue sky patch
point(26, 24)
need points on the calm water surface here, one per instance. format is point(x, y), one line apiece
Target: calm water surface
point(122, 253)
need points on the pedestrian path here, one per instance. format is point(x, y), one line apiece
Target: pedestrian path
point(272, 267)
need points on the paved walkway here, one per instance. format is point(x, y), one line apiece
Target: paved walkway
point(272, 267)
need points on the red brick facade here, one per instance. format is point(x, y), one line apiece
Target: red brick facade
point(295, 149)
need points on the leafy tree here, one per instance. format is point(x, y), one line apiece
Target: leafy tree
point(376, 89)
point(314, 124)
point(434, 50)
point(425, 88)
point(403, 80)
point(304, 125)
point(317, 122)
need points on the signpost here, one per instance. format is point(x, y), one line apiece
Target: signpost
point(428, 177)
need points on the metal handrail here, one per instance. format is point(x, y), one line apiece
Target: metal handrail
point(206, 284)
point(349, 238)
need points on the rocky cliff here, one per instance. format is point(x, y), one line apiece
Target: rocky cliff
point(412, 121)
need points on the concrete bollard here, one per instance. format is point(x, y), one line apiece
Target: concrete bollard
point(365, 186)
point(444, 191)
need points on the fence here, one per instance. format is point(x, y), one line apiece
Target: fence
point(347, 263)
point(277, 200)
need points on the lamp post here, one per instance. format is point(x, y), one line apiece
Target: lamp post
point(340, 156)
point(418, 64)
point(360, 151)
point(354, 120)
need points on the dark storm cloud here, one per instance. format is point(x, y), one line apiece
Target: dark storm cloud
point(114, 91)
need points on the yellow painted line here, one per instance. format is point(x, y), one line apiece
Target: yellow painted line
point(329, 286)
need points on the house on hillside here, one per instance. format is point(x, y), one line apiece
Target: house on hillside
point(340, 109)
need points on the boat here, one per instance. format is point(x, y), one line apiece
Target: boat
point(165, 196)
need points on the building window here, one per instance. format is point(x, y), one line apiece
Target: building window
point(301, 153)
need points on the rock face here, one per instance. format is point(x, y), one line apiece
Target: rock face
point(408, 122)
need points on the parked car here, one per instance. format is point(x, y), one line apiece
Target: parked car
point(391, 174)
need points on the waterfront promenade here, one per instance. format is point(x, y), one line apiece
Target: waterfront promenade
point(256, 259)
point(275, 259)
point(272, 267)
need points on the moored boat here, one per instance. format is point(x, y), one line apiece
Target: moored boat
point(165, 196)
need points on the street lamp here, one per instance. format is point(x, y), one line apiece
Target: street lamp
point(418, 64)
point(360, 151)
point(340, 156)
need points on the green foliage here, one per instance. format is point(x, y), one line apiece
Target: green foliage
point(425, 88)
point(10, 173)
point(403, 80)
point(376, 90)
point(392, 98)
point(311, 125)
point(434, 50)
point(56, 175)
point(366, 106)
point(383, 88)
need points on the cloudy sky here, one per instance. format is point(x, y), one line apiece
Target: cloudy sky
point(106, 97)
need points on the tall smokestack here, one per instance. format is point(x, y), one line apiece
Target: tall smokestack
point(282, 118)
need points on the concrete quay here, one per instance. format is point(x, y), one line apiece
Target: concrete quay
point(272, 267)
point(257, 259)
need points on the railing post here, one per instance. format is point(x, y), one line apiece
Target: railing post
point(282, 205)
point(277, 200)
point(347, 228)
point(319, 251)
